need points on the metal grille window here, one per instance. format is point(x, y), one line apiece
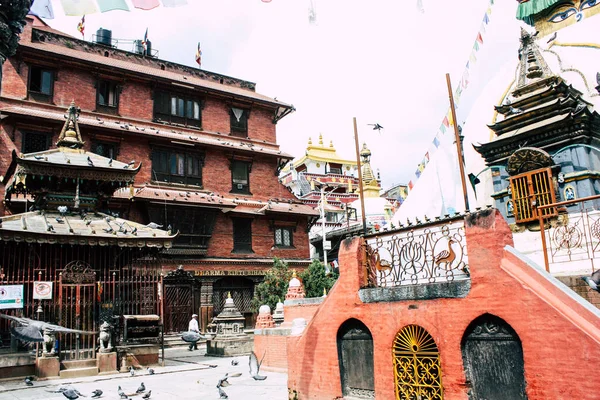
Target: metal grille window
point(417, 370)
point(242, 235)
point(177, 167)
point(284, 237)
point(531, 190)
point(34, 142)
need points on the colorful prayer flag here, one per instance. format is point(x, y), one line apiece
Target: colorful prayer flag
point(445, 121)
point(476, 46)
point(472, 58)
point(486, 19)
point(78, 7)
point(145, 4)
point(443, 128)
point(418, 172)
point(410, 185)
point(199, 56)
point(81, 26)
point(42, 9)
point(427, 155)
point(436, 142)
point(110, 5)
point(174, 3)
point(479, 38)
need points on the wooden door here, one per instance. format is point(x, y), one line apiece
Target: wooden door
point(493, 360)
point(355, 353)
point(178, 307)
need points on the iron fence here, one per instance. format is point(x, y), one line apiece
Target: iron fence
point(426, 254)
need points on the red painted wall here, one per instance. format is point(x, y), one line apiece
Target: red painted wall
point(560, 337)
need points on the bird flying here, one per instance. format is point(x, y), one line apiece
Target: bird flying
point(29, 330)
point(255, 367)
point(376, 127)
point(593, 281)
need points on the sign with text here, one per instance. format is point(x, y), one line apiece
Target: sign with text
point(42, 290)
point(11, 296)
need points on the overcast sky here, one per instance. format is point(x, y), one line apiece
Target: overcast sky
point(380, 61)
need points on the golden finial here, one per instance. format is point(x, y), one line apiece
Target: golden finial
point(228, 295)
point(324, 292)
point(320, 139)
point(310, 141)
point(294, 274)
point(331, 144)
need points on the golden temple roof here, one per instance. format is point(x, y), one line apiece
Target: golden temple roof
point(322, 153)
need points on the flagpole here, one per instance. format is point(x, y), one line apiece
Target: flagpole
point(360, 181)
point(458, 143)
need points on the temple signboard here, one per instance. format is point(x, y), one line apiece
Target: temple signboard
point(11, 296)
point(230, 273)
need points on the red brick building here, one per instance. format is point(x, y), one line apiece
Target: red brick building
point(208, 151)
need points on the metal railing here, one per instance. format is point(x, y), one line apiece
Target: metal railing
point(422, 254)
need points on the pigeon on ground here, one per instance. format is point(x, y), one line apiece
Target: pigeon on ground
point(29, 330)
point(71, 394)
point(120, 391)
point(28, 380)
point(150, 370)
point(141, 389)
point(255, 367)
point(234, 362)
point(147, 395)
point(593, 281)
point(96, 393)
point(131, 371)
point(222, 394)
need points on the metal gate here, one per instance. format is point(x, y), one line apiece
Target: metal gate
point(179, 300)
point(77, 305)
point(355, 354)
point(493, 360)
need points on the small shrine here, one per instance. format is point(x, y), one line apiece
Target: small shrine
point(278, 316)
point(295, 289)
point(264, 319)
point(230, 339)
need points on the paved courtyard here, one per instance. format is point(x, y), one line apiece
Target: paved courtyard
point(186, 375)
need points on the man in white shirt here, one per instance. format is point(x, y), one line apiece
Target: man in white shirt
point(193, 327)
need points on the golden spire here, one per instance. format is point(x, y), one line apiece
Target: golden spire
point(320, 139)
point(310, 141)
point(70, 135)
point(331, 144)
point(228, 295)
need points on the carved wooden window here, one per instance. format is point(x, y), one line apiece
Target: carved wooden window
point(177, 108)
point(105, 149)
point(35, 141)
point(242, 235)
point(531, 190)
point(239, 122)
point(107, 97)
point(41, 83)
point(284, 236)
point(177, 167)
point(240, 177)
point(195, 225)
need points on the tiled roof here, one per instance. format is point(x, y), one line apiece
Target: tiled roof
point(76, 158)
point(75, 228)
point(149, 72)
point(154, 130)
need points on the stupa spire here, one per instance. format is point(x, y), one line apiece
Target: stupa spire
point(70, 135)
point(532, 65)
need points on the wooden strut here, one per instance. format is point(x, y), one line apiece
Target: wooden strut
point(458, 144)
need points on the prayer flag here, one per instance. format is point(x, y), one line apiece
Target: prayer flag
point(109, 5)
point(475, 46)
point(174, 3)
point(482, 27)
point(410, 185)
point(489, 10)
point(427, 155)
point(42, 9)
point(199, 56)
point(450, 120)
point(78, 7)
point(445, 121)
point(421, 167)
point(479, 38)
point(472, 58)
point(418, 172)
point(81, 26)
point(436, 142)
point(443, 128)
point(145, 4)
point(486, 19)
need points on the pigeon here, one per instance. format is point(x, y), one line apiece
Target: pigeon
point(60, 220)
point(29, 330)
point(90, 162)
point(515, 111)
point(150, 371)
point(120, 392)
point(593, 281)
point(222, 394)
point(234, 362)
point(96, 393)
point(38, 157)
point(123, 396)
point(376, 127)
point(110, 162)
point(107, 230)
point(154, 225)
point(255, 367)
point(553, 37)
point(71, 394)
point(147, 395)
point(141, 389)
point(131, 371)
point(223, 382)
point(28, 380)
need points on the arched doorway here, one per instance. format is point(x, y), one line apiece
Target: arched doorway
point(417, 370)
point(179, 300)
point(493, 360)
point(242, 291)
point(355, 354)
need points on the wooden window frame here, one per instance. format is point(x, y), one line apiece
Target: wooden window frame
point(282, 245)
point(241, 246)
point(115, 146)
point(239, 129)
point(235, 186)
point(38, 95)
point(167, 176)
point(530, 190)
point(24, 139)
point(108, 108)
point(163, 108)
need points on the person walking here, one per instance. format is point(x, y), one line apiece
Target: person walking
point(193, 327)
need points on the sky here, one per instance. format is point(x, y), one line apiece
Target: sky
point(380, 61)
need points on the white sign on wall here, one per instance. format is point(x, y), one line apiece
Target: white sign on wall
point(42, 290)
point(11, 296)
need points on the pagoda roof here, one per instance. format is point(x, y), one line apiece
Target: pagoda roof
point(159, 131)
point(80, 229)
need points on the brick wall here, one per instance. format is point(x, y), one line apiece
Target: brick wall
point(581, 288)
point(560, 335)
point(273, 346)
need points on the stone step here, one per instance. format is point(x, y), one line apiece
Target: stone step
point(75, 364)
point(78, 372)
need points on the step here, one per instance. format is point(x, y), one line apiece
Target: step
point(79, 372)
point(74, 364)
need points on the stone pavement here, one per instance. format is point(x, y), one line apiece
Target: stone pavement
point(186, 375)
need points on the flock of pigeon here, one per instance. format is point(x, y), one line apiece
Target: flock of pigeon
point(73, 394)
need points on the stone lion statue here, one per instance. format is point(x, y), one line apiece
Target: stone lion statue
point(49, 341)
point(104, 338)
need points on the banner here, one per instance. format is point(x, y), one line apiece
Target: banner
point(42, 290)
point(11, 296)
point(78, 7)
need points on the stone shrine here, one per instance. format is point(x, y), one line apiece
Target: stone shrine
point(264, 319)
point(230, 339)
point(295, 289)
